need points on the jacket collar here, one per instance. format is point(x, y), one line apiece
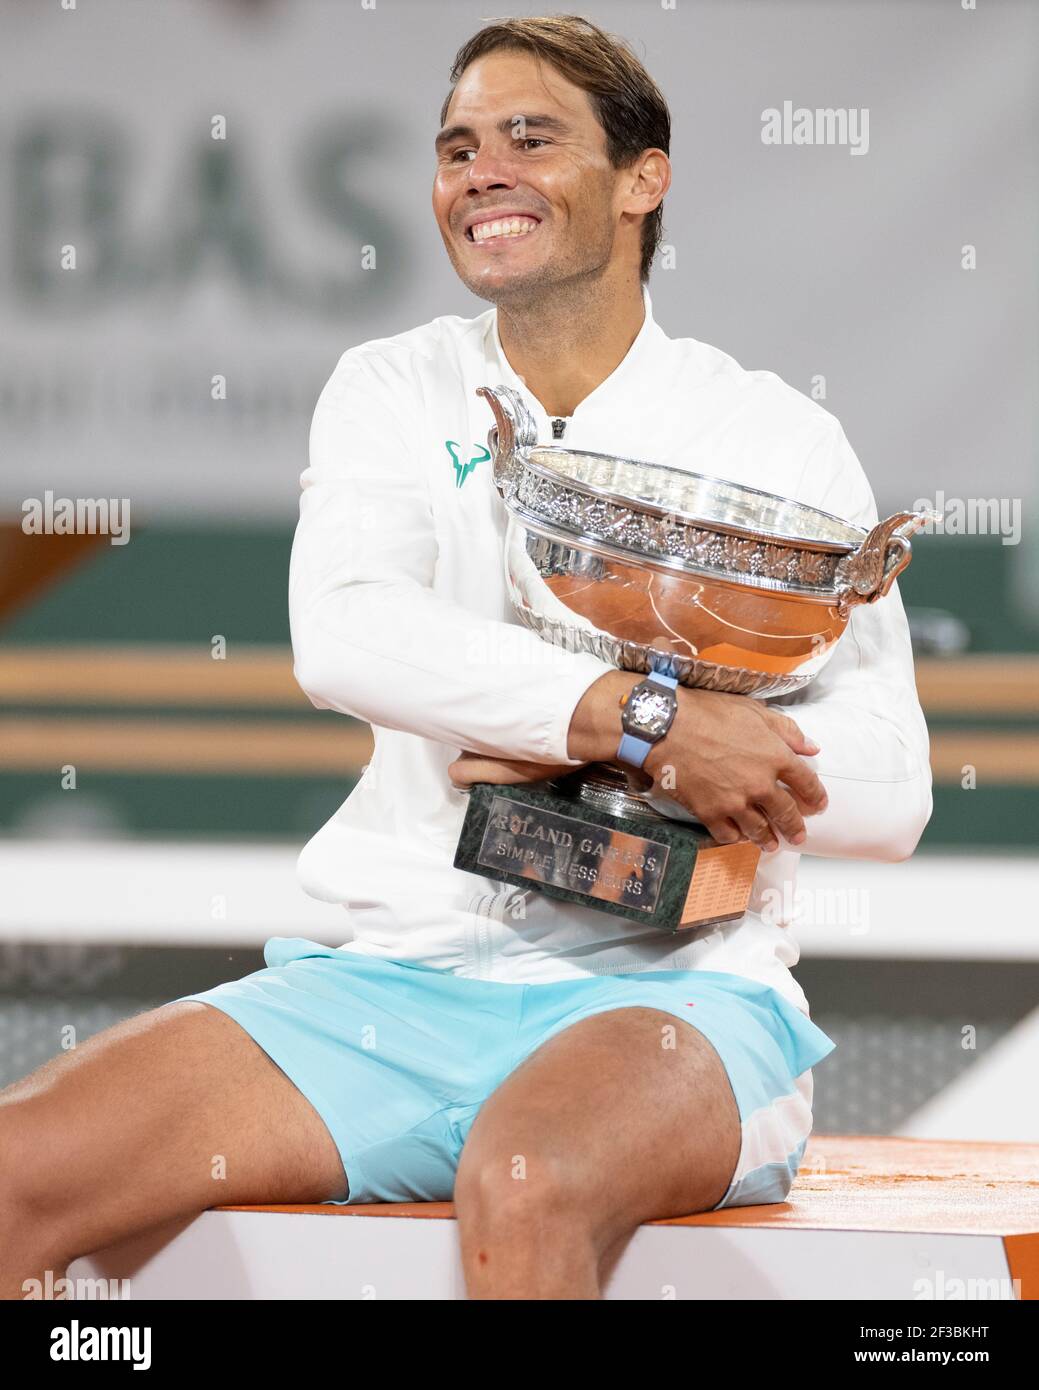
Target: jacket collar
point(622, 381)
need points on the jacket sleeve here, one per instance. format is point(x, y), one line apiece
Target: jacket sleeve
point(862, 709)
point(370, 636)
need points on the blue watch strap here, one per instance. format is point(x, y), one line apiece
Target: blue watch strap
point(632, 749)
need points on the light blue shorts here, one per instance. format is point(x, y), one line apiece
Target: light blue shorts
point(397, 1058)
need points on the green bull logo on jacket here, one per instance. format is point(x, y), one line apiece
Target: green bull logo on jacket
point(462, 468)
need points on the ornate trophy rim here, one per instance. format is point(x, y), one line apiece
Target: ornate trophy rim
point(665, 564)
point(841, 573)
point(650, 508)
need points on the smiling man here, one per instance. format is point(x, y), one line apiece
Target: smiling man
point(564, 1075)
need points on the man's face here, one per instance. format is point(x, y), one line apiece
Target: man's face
point(522, 145)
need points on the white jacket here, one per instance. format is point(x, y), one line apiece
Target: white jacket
point(400, 617)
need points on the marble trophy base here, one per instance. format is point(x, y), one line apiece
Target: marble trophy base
point(590, 838)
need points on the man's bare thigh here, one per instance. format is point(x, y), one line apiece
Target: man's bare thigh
point(629, 1112)
point(166, 1114)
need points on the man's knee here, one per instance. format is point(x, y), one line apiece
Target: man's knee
point(522, 1196)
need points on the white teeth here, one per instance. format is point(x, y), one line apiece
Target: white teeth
point(509, 226)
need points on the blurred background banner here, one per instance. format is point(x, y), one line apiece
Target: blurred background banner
point(207, 201)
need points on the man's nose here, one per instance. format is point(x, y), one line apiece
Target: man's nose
point(492, 168)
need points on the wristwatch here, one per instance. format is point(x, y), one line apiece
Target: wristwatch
point(648, 712)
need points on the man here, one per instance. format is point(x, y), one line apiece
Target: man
point(563, 1074)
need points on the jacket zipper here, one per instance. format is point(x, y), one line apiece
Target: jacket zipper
point(559, 427)
point(479, 936)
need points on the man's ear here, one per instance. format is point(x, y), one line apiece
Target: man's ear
point(650, 181)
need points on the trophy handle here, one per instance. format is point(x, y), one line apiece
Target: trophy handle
point(514, 429)
point(869, 572)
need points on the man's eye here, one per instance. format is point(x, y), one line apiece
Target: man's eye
point(525, 140)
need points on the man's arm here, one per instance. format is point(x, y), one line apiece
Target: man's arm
point(370, 636)
point(864, 712)
point(867, 791)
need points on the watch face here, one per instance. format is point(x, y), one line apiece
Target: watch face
point(649, 710)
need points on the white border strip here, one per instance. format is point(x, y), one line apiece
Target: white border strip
point(159, 893)
point(942, 907)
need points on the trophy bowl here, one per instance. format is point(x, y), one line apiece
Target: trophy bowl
point(655, 569)
point(650, 567)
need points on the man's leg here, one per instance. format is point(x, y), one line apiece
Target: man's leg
point(135, 1126)
point(622, 1118)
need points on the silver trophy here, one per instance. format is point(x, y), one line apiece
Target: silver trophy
point(653, 568)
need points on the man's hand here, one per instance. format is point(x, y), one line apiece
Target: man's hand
point(731, 761)
point(735, 765)
point(475, 767)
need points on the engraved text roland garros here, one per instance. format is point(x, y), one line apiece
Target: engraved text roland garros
point(572, 853)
